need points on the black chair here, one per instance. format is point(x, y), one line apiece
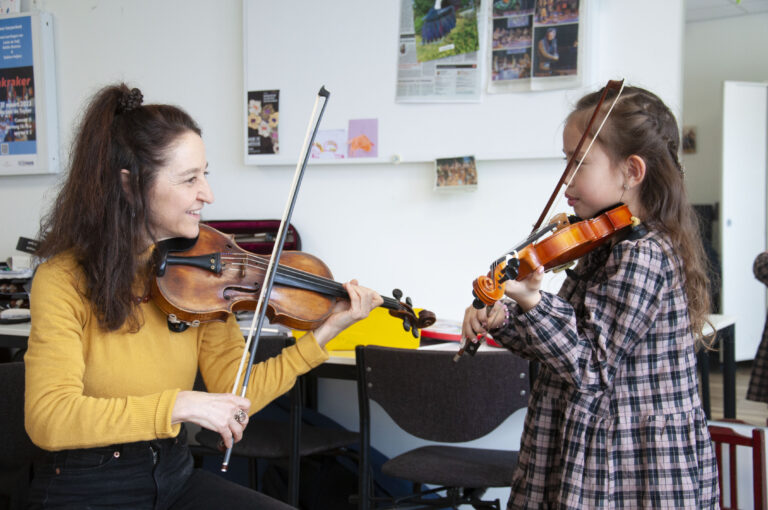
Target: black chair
point(279, 440)
point(431, 397)
point(16, 450)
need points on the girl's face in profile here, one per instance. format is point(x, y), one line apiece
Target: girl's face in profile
point(597, 185)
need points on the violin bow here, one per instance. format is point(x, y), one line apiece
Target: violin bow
point(611, 85)
point(251, 344)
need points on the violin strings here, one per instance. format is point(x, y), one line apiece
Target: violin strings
point(329, 286)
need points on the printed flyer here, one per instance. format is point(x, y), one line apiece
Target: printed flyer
point(17, 88)
point(263, 122)
point(453, 78)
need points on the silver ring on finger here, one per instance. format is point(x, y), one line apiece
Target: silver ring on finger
point(240, 416)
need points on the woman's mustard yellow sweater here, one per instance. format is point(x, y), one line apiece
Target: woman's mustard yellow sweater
point(86, 387)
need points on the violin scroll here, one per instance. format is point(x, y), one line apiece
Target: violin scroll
point(412, 321)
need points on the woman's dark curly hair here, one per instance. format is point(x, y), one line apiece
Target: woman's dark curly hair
point(103, 222)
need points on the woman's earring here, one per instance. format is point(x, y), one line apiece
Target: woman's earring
point(626, 187)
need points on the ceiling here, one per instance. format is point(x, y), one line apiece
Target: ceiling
point(703, 10)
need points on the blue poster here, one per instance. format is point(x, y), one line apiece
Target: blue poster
point(17, 88)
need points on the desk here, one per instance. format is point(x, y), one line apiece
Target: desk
point(341, 364)
point(14, 335)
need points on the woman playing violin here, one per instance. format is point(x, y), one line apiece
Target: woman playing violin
point(614, 419)
point(108, 385)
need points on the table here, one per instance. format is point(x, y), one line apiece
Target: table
point(14, 335)
point(341, 364)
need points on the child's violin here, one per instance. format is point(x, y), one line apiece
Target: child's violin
point(570, 239)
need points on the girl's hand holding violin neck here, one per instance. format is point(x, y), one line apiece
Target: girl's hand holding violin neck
point(526, 292)
point(224, 413)
point(479, 322)
point(347, 312)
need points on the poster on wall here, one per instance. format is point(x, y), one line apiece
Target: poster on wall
point(263, 122)
point(455, 74)
point(534, 45)
point(28, 141)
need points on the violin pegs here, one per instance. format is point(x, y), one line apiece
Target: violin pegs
point(415, 332)
point(479, 305)
point(397, 293)
point(406, 325)
point(511, 269)
point(409, 302)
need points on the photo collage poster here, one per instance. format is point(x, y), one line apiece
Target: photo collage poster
point(263, 122)
point(534, 44)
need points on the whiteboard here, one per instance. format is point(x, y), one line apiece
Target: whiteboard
point(350, 47)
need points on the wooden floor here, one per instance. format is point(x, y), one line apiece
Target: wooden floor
point(754, 413)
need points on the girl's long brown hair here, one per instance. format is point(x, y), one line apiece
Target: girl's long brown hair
point(641, 124)
point(104, 225)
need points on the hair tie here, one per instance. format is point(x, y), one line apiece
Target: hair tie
point(129, 101)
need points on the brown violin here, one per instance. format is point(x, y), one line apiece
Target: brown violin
point(207, 278)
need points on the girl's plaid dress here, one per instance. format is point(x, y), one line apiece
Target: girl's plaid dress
point(758, 381)
point(614, 419)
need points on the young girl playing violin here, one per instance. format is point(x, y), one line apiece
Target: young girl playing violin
point(614, 419)
point(108, 385)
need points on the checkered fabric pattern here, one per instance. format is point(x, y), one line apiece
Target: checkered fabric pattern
point(614, 419)
point(758, 380)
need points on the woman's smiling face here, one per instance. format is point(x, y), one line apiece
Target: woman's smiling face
point(180, 190)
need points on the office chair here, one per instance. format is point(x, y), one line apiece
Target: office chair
point(278, 440)
point(726, 436)
point(16, 449)
point(431, 397)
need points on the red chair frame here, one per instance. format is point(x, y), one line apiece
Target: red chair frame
point(726, 436)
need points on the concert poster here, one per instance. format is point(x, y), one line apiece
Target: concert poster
point(263, 121)
point(17, 88)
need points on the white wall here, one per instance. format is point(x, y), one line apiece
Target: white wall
point(380, 223)
point(718, 50)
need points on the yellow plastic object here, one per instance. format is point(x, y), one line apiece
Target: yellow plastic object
point(379, 328)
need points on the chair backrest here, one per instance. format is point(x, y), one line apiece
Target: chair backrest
point(432, 397)
point(726, 436)
point(16, 449)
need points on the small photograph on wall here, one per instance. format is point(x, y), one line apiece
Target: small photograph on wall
point(689, 139)
point(459, 173)
point(513, 7)
point(363, 138)
point(508, 65)
point(444, 28)
point(263, 121)
point(556, 50)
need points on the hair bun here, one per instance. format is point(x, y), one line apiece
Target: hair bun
point(129, 100)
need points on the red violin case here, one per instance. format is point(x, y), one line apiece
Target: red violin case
point(257, 236)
